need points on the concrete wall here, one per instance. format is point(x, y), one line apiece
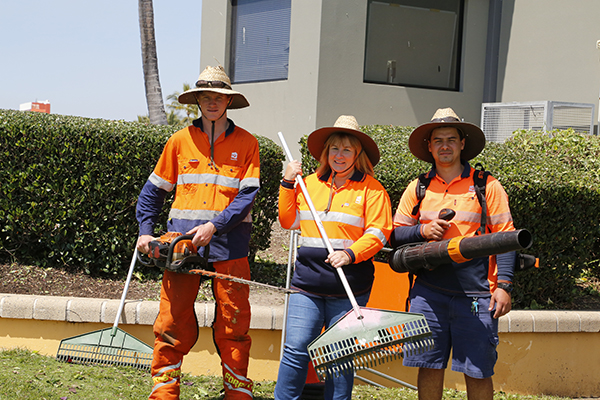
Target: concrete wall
point(548, 51)
point(540, 352)
point(327, 46)
point(288, 106)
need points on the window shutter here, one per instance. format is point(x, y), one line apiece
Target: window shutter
point(261, 40)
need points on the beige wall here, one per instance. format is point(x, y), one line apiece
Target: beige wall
point(287, 106)
point(548, 51)
point(327, 40)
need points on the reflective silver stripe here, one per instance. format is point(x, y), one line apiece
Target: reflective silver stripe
point(240, 378)
point(296, 224)
point(337, 244)
point(500, 218)
point(249, 182)
point(213, 179)
point(377, 233)
point(205, 215)
point(167, 368)
point(242, 390)
point(161, 372)
point(404, 220)
point(332, 216)
point(160, 182)
point(464, 216)
point(159, 385)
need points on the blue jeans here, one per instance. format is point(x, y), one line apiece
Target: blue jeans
point(306, 317)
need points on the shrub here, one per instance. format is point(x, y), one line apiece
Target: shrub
point(70, 186)
point(553, 184)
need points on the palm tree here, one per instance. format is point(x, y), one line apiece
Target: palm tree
point(190, 110)
point(156, 108)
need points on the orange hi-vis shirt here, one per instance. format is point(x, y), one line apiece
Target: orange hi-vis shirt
point(358, 222)
point(474, 277)
point(222, 191)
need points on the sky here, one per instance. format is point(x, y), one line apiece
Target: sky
point(85, 56)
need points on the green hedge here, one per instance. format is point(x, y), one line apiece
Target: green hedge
point(70, 186)
point(553, 184)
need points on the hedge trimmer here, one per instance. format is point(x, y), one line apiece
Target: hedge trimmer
point(175, 252)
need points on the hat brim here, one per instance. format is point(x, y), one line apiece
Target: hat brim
point(316, 142)
point(238, 100)
point(419, 145)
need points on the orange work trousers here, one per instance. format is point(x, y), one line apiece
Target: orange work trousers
point(176, 330)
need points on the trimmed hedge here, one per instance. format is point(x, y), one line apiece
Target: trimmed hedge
point(70, 186)
point(553, 184)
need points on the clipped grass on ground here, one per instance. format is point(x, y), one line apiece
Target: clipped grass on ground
point(29, 375)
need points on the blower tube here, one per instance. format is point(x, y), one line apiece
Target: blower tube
point(415, 256)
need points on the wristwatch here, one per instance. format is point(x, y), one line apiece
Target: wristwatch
point(506, 286)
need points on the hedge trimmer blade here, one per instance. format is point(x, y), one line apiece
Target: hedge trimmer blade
point(381, 336)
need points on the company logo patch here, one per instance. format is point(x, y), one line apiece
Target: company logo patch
point(234, 156)
point(358, 199)
point(472, 189)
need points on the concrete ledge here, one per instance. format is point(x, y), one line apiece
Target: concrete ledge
point(540, 321)
point(135, 312)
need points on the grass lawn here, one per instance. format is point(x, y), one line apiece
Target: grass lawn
point(28, 375)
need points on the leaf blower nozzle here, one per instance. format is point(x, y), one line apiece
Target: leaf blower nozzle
point(416, 256)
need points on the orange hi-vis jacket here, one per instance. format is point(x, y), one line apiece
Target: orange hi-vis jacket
point(359, 222)
point(222, 191)
point(476, 277)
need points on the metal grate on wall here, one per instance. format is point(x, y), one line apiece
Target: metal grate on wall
point(500, 120)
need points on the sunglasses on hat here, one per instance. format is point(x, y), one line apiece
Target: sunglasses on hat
point(212, 84)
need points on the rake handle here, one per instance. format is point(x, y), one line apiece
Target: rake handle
point(324, 236)
point(113, 332)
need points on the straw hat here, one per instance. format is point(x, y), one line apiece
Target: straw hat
point(214, 79)
point(473, 135)
point(347, 124)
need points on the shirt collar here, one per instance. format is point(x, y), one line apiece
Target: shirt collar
point(356, 176)
point(198, 124)
point(465, 174)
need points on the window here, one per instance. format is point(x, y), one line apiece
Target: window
point(260, 43)
point(414, 43)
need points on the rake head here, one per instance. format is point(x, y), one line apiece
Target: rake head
point(380, 336)
point(106, 347)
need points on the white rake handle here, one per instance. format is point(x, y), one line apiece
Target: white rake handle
point(324, 236)
point(124, 295)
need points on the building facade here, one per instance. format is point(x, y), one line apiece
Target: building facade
point(302, 63)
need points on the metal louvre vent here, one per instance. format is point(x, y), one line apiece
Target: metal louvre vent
point(500, 120)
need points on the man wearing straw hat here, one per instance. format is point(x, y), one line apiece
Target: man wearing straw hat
point(462, 301)
point(214, 167)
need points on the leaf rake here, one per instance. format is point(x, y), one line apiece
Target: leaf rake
point(369, 338)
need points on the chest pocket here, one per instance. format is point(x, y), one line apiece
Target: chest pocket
point(187, 179)
point(229, 180)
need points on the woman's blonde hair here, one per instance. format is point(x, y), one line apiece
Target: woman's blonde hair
point(362, 163)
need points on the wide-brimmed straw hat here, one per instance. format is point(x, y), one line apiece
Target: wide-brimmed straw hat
point(473, 135)
point(347, 124)
point(214, 79)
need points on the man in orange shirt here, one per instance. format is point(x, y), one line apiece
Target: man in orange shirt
point(214, 167)
point(462, 301)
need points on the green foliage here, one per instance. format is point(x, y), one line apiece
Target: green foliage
point(70, 186)
point(264, 211)
point(28, 375)
point(553, 184)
